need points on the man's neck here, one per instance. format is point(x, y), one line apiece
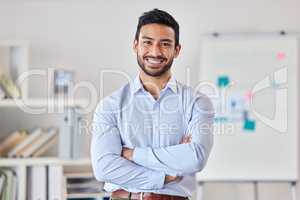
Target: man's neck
point(154, 84)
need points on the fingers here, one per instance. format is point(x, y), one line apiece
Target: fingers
point(186, 139)
point(179, 178)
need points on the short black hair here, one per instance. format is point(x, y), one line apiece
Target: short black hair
point(159, 17)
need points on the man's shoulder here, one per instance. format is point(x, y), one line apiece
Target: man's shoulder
point(190, 92)
point(119, 94)
point(115, 100)
point(192, 95)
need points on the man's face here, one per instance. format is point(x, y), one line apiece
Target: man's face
point(156, 49)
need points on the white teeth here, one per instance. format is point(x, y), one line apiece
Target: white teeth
point(154, 61)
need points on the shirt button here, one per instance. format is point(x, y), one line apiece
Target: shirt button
point(155, 106)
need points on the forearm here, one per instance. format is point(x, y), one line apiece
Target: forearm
point(185, 158)
point(175, 160)
point(188, 158)
point(117, 170)
point(192, 157)
point(143, 157)
point(109, 166)
point(127, 153)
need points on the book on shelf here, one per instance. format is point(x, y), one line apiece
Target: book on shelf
point(52, 142)
point(11, 141)
point(45, 182)
point(56, 182)
point(50, 182)
point(37, 182)
point(32, 137)
point(40, 143)
point(34, 144)
point(72, 142)
point(79, 137)
point(83, 185)
point(2, 183)
point(65, 139)
point(8, 179)
point(79, 175)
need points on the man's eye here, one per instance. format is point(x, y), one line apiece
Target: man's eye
point(166, 44)
point(147, 42)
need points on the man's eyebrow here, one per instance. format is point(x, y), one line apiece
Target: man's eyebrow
point(148, 38)
point(162, 40)
point(166, 40)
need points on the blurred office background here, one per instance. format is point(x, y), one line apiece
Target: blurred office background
point(89, 37)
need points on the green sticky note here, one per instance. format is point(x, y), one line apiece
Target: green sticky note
point(223, 81)
point(249, 125)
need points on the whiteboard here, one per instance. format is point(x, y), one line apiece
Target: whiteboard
point(253, 83)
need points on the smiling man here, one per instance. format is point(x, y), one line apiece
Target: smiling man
point(152, 135)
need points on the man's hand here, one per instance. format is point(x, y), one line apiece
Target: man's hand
point(186, 139)
point(169, 179)
point(127, 153)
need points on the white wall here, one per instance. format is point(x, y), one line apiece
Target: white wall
point(90, 36)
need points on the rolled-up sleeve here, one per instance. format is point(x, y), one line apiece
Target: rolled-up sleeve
point(183, 159)
point(107, 163)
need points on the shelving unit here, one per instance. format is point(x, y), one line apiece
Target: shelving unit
point(11, 110)
point(21, 166)
point(15, 114)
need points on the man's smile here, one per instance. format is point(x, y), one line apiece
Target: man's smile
point(154, 62)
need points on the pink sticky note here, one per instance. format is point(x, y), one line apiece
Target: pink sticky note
point(280, 56)
point(249, 95)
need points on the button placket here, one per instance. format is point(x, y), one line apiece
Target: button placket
point(156, 130)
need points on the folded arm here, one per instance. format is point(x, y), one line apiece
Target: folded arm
point(107, 162)
point(186, 158)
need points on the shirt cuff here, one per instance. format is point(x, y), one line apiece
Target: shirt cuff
point(140, 156)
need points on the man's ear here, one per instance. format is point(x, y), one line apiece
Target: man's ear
point(135, 44)
point(177, 50)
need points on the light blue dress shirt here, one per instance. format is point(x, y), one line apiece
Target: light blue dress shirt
point(131, 117)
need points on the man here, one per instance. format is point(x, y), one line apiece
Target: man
point(151, 136)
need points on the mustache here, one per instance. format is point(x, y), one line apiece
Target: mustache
point(155, 57)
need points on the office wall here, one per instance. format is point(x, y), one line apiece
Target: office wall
point(91, 36)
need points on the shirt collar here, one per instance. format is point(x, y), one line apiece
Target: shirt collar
point(172, 84)
point(137, 84)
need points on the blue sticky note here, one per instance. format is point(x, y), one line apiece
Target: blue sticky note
point(245, 115)
point(223, 81)
point(249, 125)
point(233, 103)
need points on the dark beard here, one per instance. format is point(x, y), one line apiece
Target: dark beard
point(156, 74)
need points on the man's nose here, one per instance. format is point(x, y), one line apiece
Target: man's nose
point(155, 50)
